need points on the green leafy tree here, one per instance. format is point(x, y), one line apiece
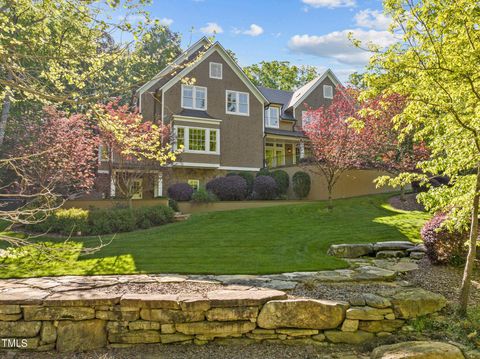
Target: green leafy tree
point(436, 68)
point(280, 74)
point(59, 52)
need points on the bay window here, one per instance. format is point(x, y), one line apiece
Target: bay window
point(198, 140)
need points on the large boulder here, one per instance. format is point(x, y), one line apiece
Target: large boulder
point(418, 350)
point(415, 302)
point(350, 250)
point(302, 313)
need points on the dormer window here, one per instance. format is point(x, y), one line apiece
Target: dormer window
point(272, 117)
point(327, 91)
point(194, 97)
point(215, 70)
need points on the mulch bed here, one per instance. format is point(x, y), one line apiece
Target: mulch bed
point(409, 204)
point(443, 279)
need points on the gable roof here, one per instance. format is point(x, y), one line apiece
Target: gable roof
point(302, 93)
point(202, 49)
point(183, 58)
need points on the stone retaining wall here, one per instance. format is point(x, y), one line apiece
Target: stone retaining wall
point(83, 321)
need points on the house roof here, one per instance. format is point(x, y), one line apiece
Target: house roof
point(194, 113)
point(190, 58)
point(278, 97)
point(301, 94)
point(279, 132)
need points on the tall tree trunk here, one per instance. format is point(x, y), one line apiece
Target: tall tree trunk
point(402, 193)
point(472, 252)
point(5, 111)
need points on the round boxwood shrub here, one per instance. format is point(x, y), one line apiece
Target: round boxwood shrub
point(301, 184)
point(282, 180)
point(264, 187)
point(180, 192)
point(247, 176)
point(203, 196)
point(443, 246)
point(263, 172)
point(230, 188)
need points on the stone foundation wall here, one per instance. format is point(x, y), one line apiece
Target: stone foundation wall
point(83, 321)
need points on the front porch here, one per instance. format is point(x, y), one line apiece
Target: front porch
point(283, 151)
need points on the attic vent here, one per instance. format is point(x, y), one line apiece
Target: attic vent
point(215, 70)
point(327, 91)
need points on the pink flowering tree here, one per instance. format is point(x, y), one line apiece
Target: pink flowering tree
point(335, 144)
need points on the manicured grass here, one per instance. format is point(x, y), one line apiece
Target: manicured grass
point(248, 241)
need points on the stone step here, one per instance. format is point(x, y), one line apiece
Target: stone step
point(180, 217)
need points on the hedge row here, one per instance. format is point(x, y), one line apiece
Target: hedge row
point(103, 221)
point(238, 186)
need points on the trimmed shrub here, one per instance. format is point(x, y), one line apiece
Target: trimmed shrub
point(103, 221)
point(264, 187)
point(203, 196)
point(442, 245)
point(180, 192)
point(173, 205)
point(64, 221)
point(301, 184)
point(247, 176)
point(282, 180)
point(230, 188)
point(263, 172)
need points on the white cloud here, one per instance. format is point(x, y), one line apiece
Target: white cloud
point(211, 28)
point(165, 21)
point(331, 4)
point(373, 19)
point(254, 30)
point(337, 45)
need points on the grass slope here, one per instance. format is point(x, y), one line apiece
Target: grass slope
point(249, 241)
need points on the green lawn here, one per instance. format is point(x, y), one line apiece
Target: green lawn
point(260, 240)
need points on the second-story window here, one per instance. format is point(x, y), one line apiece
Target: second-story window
point(272, 117)
point(307, 117)
point(194, 97)
point(215, 70)
point(198, 140)
point(237, 103)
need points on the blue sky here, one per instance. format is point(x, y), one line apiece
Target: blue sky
point(310, 32)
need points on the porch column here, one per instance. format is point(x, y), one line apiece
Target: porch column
point(302, 150)
point(112, 184)
point(158, 185)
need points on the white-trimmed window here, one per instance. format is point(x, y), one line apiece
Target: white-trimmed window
point(198, 140)
point(306, 117)
point(272, 117)
point(194, 97)
point(216, 70)
point(327, 91)
point(194, 183)
point(237, 103)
